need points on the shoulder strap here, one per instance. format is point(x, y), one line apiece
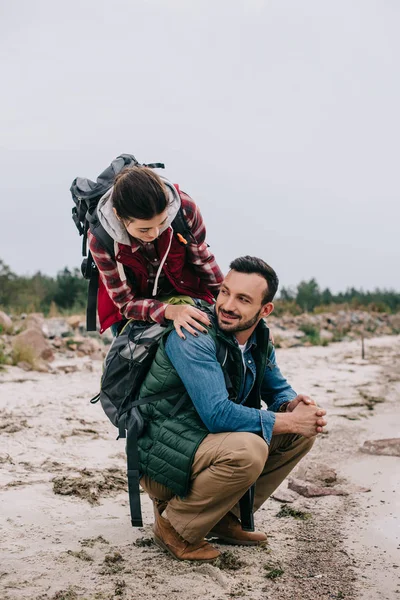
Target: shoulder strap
point(91, 271)
point(97, 229)
point(132, 457)
point(181, 227)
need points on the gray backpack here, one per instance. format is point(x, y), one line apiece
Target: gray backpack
point(125, 367)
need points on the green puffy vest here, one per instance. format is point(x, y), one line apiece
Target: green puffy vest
point(170, 441)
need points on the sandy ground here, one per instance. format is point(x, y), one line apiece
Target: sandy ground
point(67, 547)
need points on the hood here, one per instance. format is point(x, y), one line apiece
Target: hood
point(116, 229)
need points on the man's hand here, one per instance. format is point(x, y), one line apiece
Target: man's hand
point(300, 398)
point(308, 419)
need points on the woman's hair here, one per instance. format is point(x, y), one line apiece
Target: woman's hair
point(139, 193)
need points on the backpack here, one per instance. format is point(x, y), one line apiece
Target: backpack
point(86, 195)
point(125, 368)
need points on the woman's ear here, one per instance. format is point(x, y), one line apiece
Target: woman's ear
point(116, 214)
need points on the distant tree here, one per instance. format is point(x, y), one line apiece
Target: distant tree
point(7, 284)
point(287, 294)
point(308, 295)
point(326, 296)
point(71, 289)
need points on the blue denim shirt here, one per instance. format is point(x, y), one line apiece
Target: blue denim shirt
point(196, 363)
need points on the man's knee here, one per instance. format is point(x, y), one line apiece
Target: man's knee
point(248, 452)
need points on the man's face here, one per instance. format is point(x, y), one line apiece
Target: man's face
point(240, 303)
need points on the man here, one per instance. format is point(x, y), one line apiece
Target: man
point(208, 440)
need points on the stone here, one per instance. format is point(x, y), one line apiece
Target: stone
point(34, 321)
point(74, 321)
point(285, 495)
point(42, 366)
point(90, 346)
point(316, 473)
point(6, 325)
point(34, 340)
point(310, 490)
point(56, 327)
point(98, 355)
point(57, 342)
point(24, 366)
point(387, 447)
point(67, 368)
point(324, 334)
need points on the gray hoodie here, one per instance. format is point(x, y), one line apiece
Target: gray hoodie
point(113, 226)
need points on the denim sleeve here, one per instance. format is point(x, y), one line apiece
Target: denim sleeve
point(275, 390)
point(196, 363)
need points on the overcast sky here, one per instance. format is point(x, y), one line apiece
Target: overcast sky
point(279, 117)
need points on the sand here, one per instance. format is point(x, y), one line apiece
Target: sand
point(67, 547)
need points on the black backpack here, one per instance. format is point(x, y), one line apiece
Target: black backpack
point(125, 368)
point(86, 195)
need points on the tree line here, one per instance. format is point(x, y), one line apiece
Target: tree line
point(67, 292)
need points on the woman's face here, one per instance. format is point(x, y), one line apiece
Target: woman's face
point(146, 230)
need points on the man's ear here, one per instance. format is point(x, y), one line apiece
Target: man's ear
point(267, 309)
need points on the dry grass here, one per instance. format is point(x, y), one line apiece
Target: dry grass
point(23, 353)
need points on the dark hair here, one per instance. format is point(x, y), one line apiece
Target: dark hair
point(139, 193)
point(251, 264)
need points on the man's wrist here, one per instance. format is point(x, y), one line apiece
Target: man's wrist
point(284, 423)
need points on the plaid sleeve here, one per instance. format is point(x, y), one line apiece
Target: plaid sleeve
point(120, 292)
point(199, 254)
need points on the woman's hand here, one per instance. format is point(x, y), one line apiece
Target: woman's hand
point(187, 316)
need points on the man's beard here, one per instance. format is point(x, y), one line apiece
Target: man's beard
point(239, 326)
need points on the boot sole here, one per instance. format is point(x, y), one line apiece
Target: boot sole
point(233, 541)
point(161, 545)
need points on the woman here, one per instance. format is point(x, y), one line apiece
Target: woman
point(152, 263)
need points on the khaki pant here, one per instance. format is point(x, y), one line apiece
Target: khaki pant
point(224, 467)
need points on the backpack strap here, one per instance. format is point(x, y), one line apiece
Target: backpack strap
point(89, 267)
point(132, 457)
point(181, 228)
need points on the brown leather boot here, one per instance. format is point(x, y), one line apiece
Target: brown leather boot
point(229, 531)
point(168, 539)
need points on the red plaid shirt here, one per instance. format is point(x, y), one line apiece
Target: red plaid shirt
point(147, 309)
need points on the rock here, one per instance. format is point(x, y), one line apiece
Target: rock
point(74, 321)
point(316, 473)
point(57, 342)
point(56, 327)
point(324, 334)
point(32, 341)
point(309, 490)
point(42, 366)
point(388, 447)
point(285, 495)
point(6, 325)
point(90, 346)
point(24, 365)
point(67, 368)
point(34, 321)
